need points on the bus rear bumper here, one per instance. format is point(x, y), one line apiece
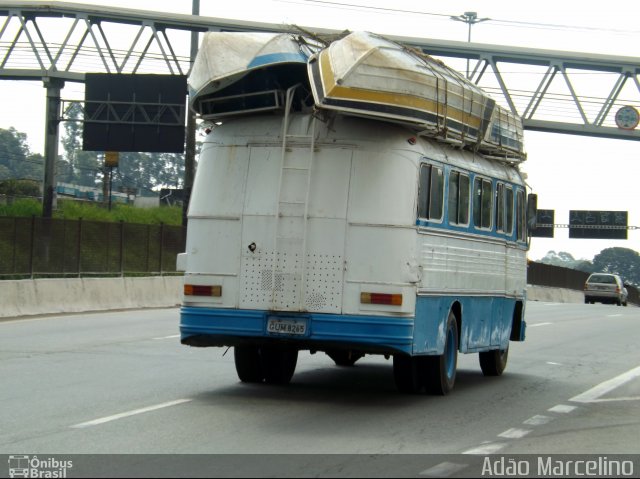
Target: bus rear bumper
point(205, 327)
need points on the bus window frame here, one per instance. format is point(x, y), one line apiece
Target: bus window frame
point(504, 209)
point(522, 234)
point(483, 181)
point(429, 198)
point(459, 174)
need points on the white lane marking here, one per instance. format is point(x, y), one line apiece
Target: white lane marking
point(613, 315)
point(562, 408)
point(636, 398)
point(554, 364)
point(514, 433)
point(538, 420)
point(538, 324)
point(607, 386)
point(485, 449)
point(444, 469)
point(173, 336)
point(115, 417)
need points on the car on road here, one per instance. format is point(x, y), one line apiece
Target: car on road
point(605, 288)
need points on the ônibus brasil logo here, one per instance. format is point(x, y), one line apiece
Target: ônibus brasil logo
point(32, 466)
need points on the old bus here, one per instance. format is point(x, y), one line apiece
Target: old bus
point(353, 237)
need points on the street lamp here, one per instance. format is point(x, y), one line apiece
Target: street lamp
point(190, 150)
point(470, 18)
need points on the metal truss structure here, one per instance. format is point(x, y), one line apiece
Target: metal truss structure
point(56, 42)
point(552, 91)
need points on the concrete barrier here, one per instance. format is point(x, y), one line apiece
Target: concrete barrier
point(554, 295)
point(75, 295)
point(72, 295)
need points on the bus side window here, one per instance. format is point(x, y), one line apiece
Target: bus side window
point(482, 203)
point(509, 210)
point(431, 193)
point(521, 212)
point(500, 208)
point(458, 198)
point(504, 209)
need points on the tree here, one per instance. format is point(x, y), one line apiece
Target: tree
point(16, 161)
point(566, 260)
point(622, 261)
point(149, 171)
point(78, 167)
point(136, 171)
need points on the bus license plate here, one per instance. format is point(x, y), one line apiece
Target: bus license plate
point(286, 326)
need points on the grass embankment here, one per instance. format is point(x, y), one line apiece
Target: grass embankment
point(73, 210)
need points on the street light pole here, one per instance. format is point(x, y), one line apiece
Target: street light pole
point(190, 150)
point(470, 18)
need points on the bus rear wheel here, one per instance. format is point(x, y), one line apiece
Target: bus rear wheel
point(441, 370)
point(408, 373)
point(493, 363)
point(248, 363)
point(278, 364)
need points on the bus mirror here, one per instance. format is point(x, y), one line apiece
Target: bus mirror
point(532, 211)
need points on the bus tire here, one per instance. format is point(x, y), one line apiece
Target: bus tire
point(278, 364)
point(344, 358)
point(441, 370)
point(408, 373)
point(248, 363)
point(493, 363)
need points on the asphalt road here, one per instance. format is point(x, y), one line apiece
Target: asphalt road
point(120, 383)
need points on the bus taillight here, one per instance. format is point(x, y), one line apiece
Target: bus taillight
point(202, 290)
point(381, 298)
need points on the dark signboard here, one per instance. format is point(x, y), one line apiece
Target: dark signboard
point(598, 224)
point(545, 220)
point(140, 113)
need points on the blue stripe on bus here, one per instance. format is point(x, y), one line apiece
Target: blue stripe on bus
point(486, 324)
point(376, 331)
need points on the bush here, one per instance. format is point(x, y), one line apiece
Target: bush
point(14, 187)
point(21, 207)
point(68, 209)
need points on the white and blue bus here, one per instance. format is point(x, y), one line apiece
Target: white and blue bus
point(353, 237)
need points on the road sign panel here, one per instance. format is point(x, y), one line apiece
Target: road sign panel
point(589, 224)
point(627, 118)
point(545, 220)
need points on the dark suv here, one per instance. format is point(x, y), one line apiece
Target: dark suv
point(605, 288)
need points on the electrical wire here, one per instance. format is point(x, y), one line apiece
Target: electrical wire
point(536, 25)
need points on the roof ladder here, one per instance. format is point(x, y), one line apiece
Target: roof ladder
point(290, 243)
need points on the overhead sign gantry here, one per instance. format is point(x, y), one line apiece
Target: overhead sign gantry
point(57, 42)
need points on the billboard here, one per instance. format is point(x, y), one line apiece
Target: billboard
point(140, 113)
point(587, 224)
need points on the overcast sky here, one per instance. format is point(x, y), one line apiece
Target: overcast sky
point(567, 172)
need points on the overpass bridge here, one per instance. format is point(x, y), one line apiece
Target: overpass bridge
point(57, 42)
